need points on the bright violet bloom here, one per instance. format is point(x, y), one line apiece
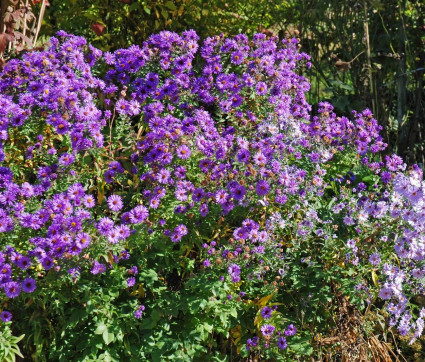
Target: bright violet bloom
point(234, 135)
point(82, 240)
point(115, 203)
point(131, 281)
point(12, 289)
point(28, 285)
point(139, 312)
point(267, 329)
point(98, 268)
point(238, 192)
point(266, 312)
point(6, 316)
point(183, 152)
point(290, 330)
point(261, 88)
point(139, 214)
point(88, 201)
point(262, 188)
point(281, 343)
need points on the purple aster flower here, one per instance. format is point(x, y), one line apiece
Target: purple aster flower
point(267, 329)
point(183, 152)
point(116, 167)
point(82, 240)
point(236, 100)
point(237, 57)
point(266, 312)
point(198, 194)
point(290, 330)
point(125, 218)
point(47, 262)
point(115, 203)
point(251, 342)
point(154, 203)
point(76, 191)
point(123, 107)
point(181, 194)
point(163, 176)
point(243, 155)
point(139, 214)
point(27, 189)
point(74, 225)
point(238, 192)
point(281, 343)
point(12, 289)
point(113, 236)
point(159, 192)
point(375, 259)
point(240, 233)
point(104, 225)
point(109, 176)
point(206, 263)
point(139, 312)
point(261, 88)
point(28, 285)
point(181, 230)
point(203, 209)
point(314, 157)
point(234, 270)
point(23, 262)
point(98, 268)
point(180, 172)
point(6, 316)
point(131, 281)
point(221, 196)
point(260, 159)
point(385, 293)
point(88, 201)
point(175, 237)
point(262, 188)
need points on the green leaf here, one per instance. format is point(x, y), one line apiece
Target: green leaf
point(170, 5)
point(108, 337)
point(101, 328)
point(147, 10)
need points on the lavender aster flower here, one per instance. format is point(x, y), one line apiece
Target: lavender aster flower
point(88, 201)
point(139, 312)
point(267, 329)
point(261, 88)
point(131, 281)
point(115, 203)
point(183, 152)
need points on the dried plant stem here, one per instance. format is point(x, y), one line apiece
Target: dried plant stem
point(40, 20)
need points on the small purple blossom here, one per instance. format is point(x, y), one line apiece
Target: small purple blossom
point(115, 203)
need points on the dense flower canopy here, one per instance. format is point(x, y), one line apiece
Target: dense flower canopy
point(163, 141)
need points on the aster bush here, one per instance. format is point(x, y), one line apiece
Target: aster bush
point(179, 200)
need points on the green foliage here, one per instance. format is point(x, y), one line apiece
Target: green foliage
point(9, 348)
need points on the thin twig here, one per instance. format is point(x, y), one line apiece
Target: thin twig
point(25, 18)
point(40, 20)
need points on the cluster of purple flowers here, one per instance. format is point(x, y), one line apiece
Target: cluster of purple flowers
point(270, 334)
point(234, 134)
